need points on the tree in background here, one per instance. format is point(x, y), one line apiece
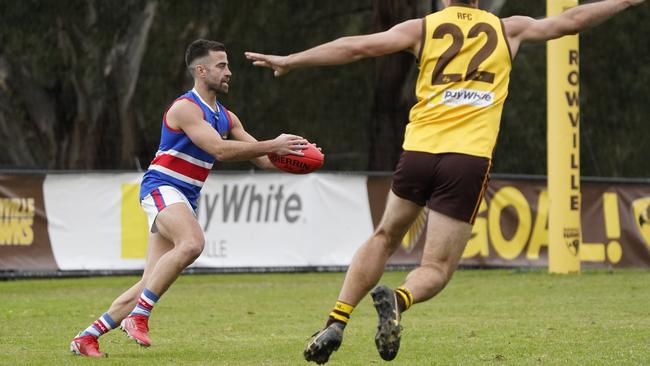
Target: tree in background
point(68, 81)
point(84, 83)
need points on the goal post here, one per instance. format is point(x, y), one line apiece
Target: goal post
point(563, 148)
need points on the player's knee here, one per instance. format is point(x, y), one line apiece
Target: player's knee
point(192, 248)
point(390, 240)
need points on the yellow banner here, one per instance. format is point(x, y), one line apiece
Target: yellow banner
point(134, 224)
point(563, 148)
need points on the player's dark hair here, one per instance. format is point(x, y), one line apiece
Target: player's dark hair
point(201, 48)
point(462, 1)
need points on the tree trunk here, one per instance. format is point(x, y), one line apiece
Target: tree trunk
point(124, 62)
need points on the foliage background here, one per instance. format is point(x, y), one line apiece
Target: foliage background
point(84, 83)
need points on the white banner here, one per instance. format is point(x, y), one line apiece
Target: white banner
point(84, 216)
point(282, 220)
point(249, 220)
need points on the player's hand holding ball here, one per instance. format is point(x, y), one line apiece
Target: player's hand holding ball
point(309, 159)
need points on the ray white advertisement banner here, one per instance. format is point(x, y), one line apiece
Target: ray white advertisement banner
point(249, 220)
point(283, 220)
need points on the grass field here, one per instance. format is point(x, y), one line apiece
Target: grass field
point(484, 317)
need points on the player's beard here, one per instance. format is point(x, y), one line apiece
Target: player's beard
point(219, 87)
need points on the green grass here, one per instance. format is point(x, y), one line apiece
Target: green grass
point(492, 317)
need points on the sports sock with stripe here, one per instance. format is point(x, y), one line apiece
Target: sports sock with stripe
point(340, 314)
point(101, 326)
point(404, 298)
point(145, 303)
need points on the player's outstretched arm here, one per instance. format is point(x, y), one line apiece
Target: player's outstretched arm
point(186, 116)
point(404, 36)
point(521, 28)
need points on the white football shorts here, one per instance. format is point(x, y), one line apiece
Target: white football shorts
point(160, 198)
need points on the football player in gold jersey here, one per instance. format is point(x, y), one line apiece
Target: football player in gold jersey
point(464, 56)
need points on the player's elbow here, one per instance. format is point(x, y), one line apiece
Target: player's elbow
point(222, 154)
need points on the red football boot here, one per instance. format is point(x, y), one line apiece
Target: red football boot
point(137, 328)
point(86, 346)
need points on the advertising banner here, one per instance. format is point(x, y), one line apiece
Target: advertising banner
point(24, 241)
point(94, 222)
point(249, 220)
point(511, 229)
point(85, 220)
point(279, 220)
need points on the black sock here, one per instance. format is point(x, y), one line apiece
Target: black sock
point(404, 298)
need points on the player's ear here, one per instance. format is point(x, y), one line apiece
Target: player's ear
point(199, 70)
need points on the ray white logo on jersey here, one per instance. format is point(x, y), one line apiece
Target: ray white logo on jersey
point(457, 97)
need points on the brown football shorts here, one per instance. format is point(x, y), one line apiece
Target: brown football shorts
point(451, 184)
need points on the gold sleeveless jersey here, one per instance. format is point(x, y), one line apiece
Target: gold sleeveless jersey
point(465, 67)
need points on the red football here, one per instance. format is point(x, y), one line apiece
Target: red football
point(311, 161)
